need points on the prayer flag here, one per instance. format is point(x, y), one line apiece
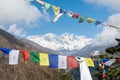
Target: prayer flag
point(110, 62)
point(89, 62)
point(90, 20)
point(56, 10)
point(82, 19)
point(70, 14)
point(44, 61)
point(47, 6)
point(5, 50)
point(84, 70)
point(72, 62)
point(40, 2)
point(34, 56)
point(13, 57)
point(75, 16)
point(98, 23)
point(53, 61)
point(62, 62)
point(62, 12)
point(25, 55)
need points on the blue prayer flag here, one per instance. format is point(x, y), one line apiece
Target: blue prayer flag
point(5, 50)
point(53, 61)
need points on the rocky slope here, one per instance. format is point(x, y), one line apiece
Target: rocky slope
point(22, 71)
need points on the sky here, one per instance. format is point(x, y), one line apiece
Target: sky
point(28, 19)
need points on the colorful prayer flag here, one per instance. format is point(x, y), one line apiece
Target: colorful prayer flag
point(75, 15)
point(13, 57)
point(62, 62)
point(47, 6)
point(62, 12)
point(84, 70)
point(40, 2)
point(44, 61)
point(98, 23)
point(56, 10)
point(110, 62)
point(82, 19)
point(70, 14)
point(53, 61)
point(35, 56)
point(5, 50)
point(90, 20)
point(72, 62)
point(25, 55)
point(89, 62)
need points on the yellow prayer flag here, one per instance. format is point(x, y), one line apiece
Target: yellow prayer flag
point(44, 59)
point(89, 62)
point(56, 10)
point(90, 20)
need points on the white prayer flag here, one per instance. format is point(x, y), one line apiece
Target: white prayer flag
point(13, 57)
point(110, 62)
point(84, 70)
point(62, 62)
point(57, 17)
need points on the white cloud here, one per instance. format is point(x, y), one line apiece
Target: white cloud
point(108, 35)
point(17, 31)
point(15, 11)
point(111, 4)
point(65, 41)
point(114, 19)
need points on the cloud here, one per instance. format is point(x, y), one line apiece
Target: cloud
point(114, 19)
point(17, 11)
point(65, 41)
point(111, 4)
point(17, 31)
point(108, 35)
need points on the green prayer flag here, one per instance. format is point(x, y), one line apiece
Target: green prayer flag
point(47, 6)
point(34, 56)
point(82, 19)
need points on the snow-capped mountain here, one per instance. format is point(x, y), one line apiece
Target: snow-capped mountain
point(63, 42)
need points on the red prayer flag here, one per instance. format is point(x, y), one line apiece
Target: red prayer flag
point(118, 59)
point(75, 15)
point(72, 62)
point(25, 54)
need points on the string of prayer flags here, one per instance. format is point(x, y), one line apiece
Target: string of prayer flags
point(53, 61)
point(90, 20)
point(5, 50)
point(72, 62)
point(44, 61)
point(62, 12)
point(13, 57)
point(47, 6)
point(35, 56)
point(82, 19)
point(89, 62)
point(25, 55)
point(84, 70)
point(56, 10)
point(62, 62)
